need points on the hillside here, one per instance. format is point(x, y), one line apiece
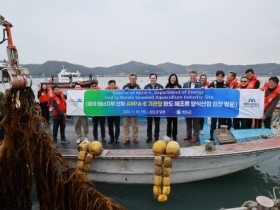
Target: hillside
point(141, 69)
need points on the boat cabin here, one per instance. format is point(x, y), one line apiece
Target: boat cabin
point(68, 77)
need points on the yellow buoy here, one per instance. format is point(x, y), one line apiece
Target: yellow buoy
point(80, 164)
point(166, 190)
point(167, 162)
point(81, 155)
point(95, 148)
point(156, 190)
point(158, 160)
point(88, 158)
point(84, 146)
point(87, 167)
point(159, 147)
point(166, 180)
point(173, 149)
point(157, 180)
point(158, 170)
point(166, 171)
point(162, 198)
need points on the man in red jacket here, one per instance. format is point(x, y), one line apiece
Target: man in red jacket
point(272, 97)
point(57, 101)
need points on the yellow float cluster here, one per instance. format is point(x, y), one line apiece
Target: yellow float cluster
point(87, 151)
point(163, 164)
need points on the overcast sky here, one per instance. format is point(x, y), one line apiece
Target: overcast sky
point(111, 32)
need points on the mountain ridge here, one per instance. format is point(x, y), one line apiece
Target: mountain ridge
point(142, 69)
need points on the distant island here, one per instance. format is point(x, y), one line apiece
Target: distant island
point(141, 69)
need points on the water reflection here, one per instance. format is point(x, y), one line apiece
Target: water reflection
point(227, 191)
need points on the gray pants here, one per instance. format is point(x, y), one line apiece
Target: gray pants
point(193, 125)
point(81, 122)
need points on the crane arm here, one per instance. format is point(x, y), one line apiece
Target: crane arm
point(14, 75)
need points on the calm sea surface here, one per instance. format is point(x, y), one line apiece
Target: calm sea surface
point(226, 191)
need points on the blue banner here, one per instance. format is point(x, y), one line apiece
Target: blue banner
point(168, 102)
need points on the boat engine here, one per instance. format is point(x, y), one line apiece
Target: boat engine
point(13, 76)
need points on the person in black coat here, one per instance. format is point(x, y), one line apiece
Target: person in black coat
point(153, 85)
point(172, 122)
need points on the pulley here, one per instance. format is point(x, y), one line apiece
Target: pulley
point(15, 78)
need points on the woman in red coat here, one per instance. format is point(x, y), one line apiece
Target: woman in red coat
point(43, 96)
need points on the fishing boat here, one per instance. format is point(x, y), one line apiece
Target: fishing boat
point(67, 80)
point(136, 166)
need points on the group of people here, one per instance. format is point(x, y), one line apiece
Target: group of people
point(194, 125)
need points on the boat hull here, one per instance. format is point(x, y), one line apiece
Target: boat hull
point(136, 166)
point(67, 85)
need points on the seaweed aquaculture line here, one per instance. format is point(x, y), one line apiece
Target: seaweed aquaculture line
point(28, 156)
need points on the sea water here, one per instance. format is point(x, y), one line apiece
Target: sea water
point(226, 191)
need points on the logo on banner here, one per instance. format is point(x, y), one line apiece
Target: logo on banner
point(76, 102)
point(251, 103)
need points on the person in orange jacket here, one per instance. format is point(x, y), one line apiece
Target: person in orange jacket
point(43, 96)
point(58, 103)
point(272, 97)
point(254, 83)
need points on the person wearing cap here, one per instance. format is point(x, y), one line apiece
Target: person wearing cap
point(133, 119)
point(58, 104)
point(98, 119)
point(81, 122)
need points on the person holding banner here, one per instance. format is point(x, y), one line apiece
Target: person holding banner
point(232, 83)
point(126, 120)
point(172, 122)
point(98, 119)
point(153, 85)
point(113, 120)
point(203, 80)
point(58, 104)
point(254, 83)
point(218, 83)
point(81, 122)
point(272, 97)
point(205, 83)
point(242, 123)
point(232, 80)
point(193, 123)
